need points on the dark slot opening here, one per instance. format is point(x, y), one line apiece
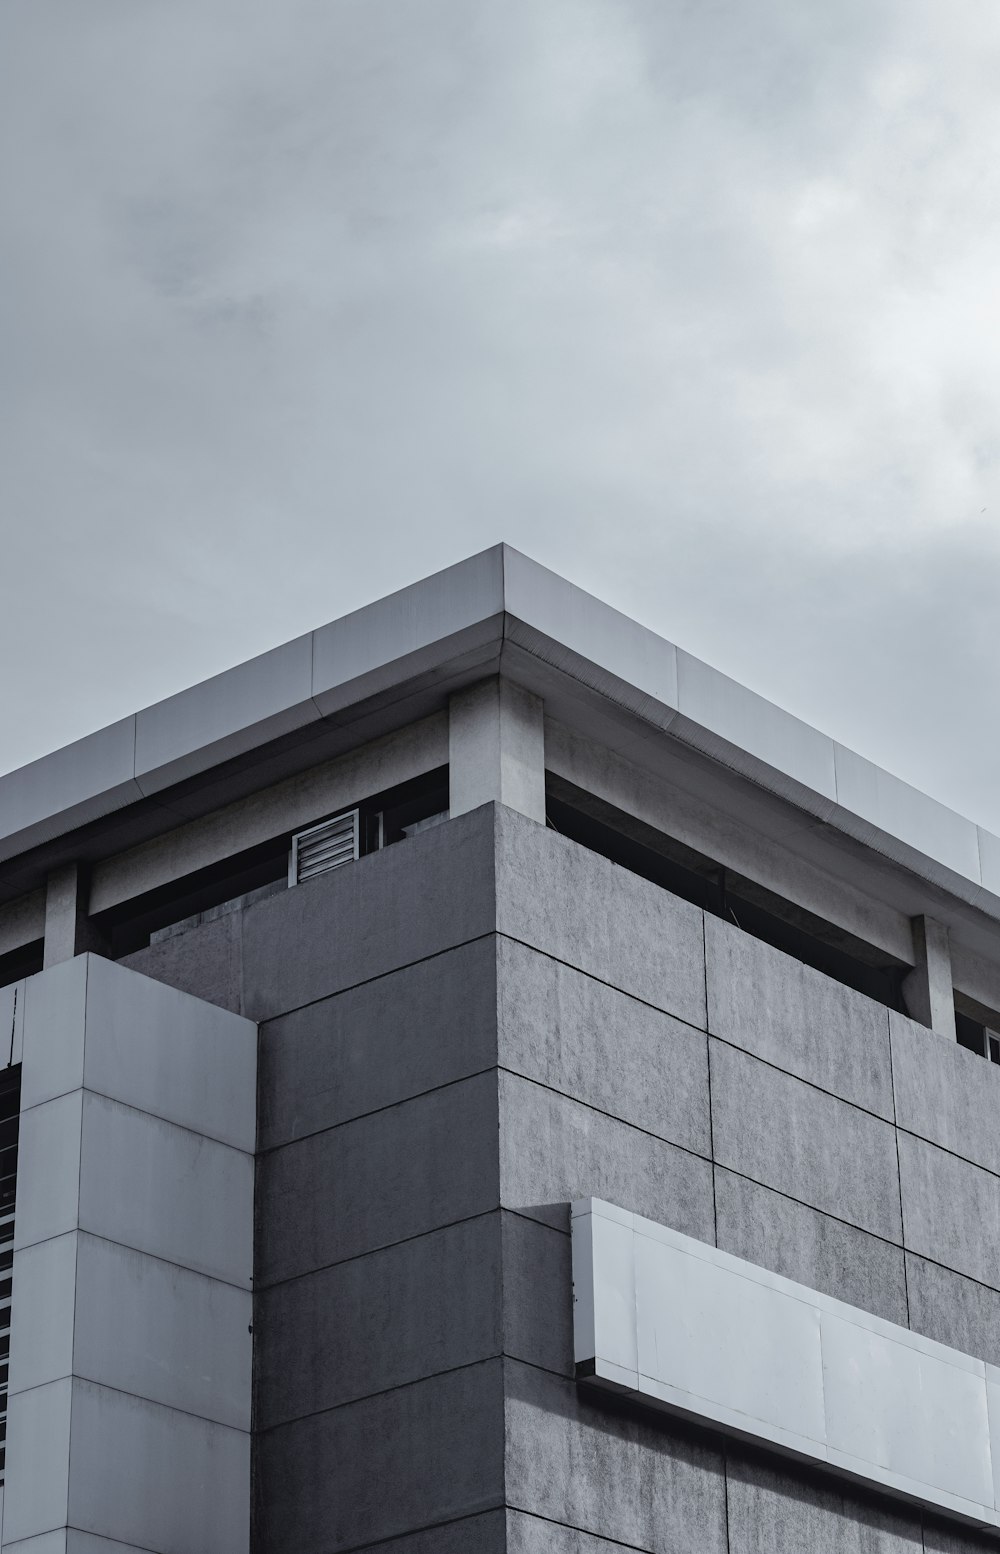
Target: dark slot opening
point(22, 962)
point(707, 884)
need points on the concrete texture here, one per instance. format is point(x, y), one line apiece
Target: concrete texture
point(945, 1094)
point(385, 1041)
point(496, 749)
point(367, 1184)
point(614, 1475)
point(207, 961)
point(776, 1232)
point(537, 1294)
point(928, 990)
point(786, 1509)
point(614, 1053)
point(553, 1150)
point(577, 907)
point(951, 1210)
point(535, 1535)
point(787, 1135)
point(407, 1459)
point(797, 1018)
point(953, 1309)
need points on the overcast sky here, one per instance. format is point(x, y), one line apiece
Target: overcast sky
point(695, 301)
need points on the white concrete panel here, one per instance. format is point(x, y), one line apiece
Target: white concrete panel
point(82, 781)
point(48, 1170)
point(162, 1189)
point(44, 1296)
point(46, 1543)
point(12, 1024)
point(36, 1493)
point(55, 1004)
point(735, 718)
point(225, 716)
point(161, 1332)
point(168, 1053)
point(725, 1342)
point(906, 815)
point(157, 1478)
point(408, 632)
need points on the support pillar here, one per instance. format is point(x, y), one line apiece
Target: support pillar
point(68, 929)
point(928, 991)
point(496, 749)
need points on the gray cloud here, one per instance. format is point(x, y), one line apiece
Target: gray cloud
point(696, 303)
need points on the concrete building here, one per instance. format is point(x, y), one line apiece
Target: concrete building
point(477, 1079)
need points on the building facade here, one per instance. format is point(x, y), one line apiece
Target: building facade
point(477, 1079)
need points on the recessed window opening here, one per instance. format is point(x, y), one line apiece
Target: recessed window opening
point(977, 1037)
point(10, 1102)
point(238, 881)
point(22, 962)
point(708, 884)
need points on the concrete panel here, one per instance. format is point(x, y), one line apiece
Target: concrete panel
point(942, 1537)
point(552, 1150)
point(945, 1094)
point(169, 1054)
point(904, 815)
point(48, 1170)
point(207, 961)
point(535, 1535)
point(428, 1453)
point(155, 1477)
point(82, 781)
point(774, 1508)
point(796, 1018)
point(537, 1294)
point(623, 1478)
point(484, 1534)
point(54, 1025)
point(496, 749)
point(225, 716)
point(164, 1190)
point(401, 1172)
point(375, 1045)
point(414, 1310)
point(579, 1036)
point(725, 715)
point(69, 1541)
point(784, 1134)
point(413, 900)
point(42, 1337)
point(989, 860)
point(951, 1210)
point(46, 1543)
point(408, 632)
point(675, 1322)
point(953, 1310)
point(558, 897)
point(160, 1332)
point(776, 1232)
point(38, 1446)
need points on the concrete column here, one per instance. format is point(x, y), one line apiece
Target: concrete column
point(928, 990)
point(68, 929)
point(496, 749)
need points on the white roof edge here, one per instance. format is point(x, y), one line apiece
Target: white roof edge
point(450, 615)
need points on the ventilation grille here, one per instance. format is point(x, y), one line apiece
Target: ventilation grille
point(324, 847)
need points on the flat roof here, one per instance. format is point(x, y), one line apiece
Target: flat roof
point(461, 623)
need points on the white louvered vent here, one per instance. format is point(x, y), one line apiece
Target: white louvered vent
point(324, 847)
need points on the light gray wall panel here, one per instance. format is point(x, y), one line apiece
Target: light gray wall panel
point(42, 1344)
point(777, 1508)
point(416, 898)
point(36, 1492)
point(796, 1018)
point(616, 1476)
point(119, 1487)
point(801, 1243)
point(576, 906)
point(375, 1045)
point(55, 1013)
point(48, 1170)
point(425, 1306)
point(579, 1036)
point(397, 1173)
point(422, 1454)
point(536, 1535)
point(952, 1309)
point(552, 1148)
point(166, 1190)
point(951, 1210)
point(816, 1148)
point(944, 1093)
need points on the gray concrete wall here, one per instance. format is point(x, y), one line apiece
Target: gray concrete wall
point(461, 1035)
